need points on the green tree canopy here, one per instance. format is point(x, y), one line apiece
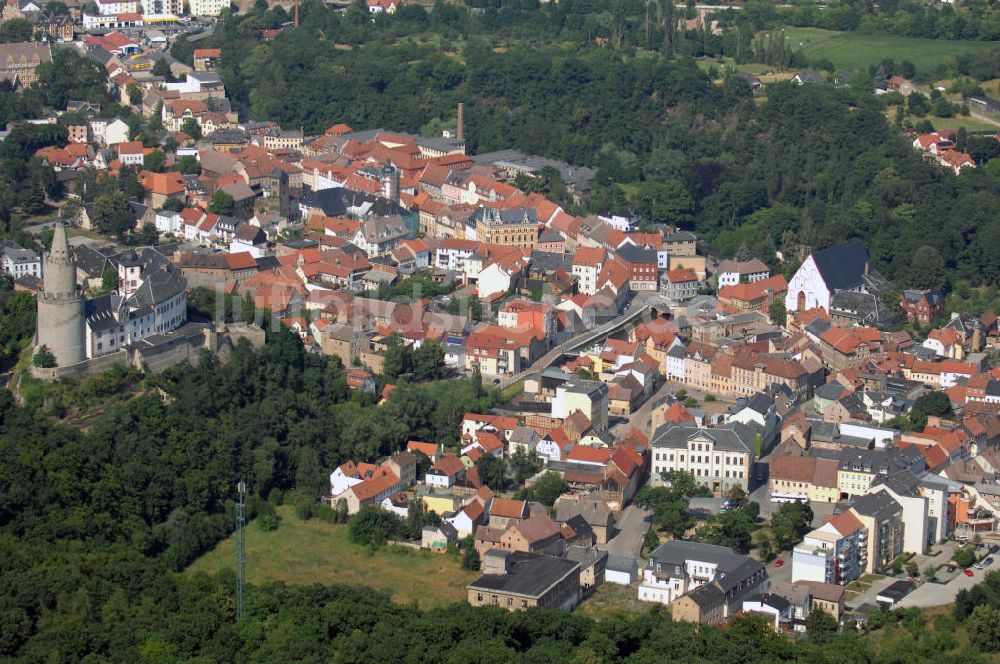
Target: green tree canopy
point(221, 203)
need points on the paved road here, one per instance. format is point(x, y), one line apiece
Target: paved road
point(631, 526)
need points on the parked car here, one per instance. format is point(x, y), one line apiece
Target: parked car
point(779, 562)
point(950, 568)
point(978, 566)
point(989, 560)
point(968, 572)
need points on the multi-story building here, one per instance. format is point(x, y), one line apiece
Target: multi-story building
point(207, 7)
point(18, 62)
point(115, 7)
point(922, 305)
point(641, 263)
point(161, 7)
point(680, 284)
point(882, 518)
point(720, 458)
point(836, 552)
point(151, 299)
point(19, 262)
point(587, 265)
point(587, 396)
point(517, 227)
point(704, 583)
point(735, 272)
point(799, 477)
point(859, 468)
point(517, 581)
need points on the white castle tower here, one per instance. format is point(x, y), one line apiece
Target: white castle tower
point(60, 326)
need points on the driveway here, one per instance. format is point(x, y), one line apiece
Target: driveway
point(631, 526)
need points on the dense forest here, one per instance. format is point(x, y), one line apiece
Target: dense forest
point(93, 525)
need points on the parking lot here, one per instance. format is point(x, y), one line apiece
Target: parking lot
point(937, 594)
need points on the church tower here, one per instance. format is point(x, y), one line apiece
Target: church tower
point(60, 305)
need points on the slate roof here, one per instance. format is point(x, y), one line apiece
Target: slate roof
point(528, 574)
point(879, 505)
point(732, 437)
point(842, 266)
point(337, 202)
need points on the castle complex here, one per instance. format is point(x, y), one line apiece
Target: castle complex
point(151, 299)
point(142, 323)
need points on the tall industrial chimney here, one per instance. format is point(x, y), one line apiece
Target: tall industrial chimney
point(460, 132)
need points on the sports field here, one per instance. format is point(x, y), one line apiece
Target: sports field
point(853, 50)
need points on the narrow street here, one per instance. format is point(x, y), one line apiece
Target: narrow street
point(631, 526)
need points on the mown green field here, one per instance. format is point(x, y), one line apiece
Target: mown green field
point(853, 50)
point(306, 552)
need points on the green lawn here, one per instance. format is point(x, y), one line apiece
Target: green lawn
point(970, 123)
point(512, 390)
point(306, 552)
point(853, 50)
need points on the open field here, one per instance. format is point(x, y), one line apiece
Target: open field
point(970, 123)
point(306, 552)
point(611, 599)
point(853, 50)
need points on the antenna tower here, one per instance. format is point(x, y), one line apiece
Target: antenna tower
point(241, 489)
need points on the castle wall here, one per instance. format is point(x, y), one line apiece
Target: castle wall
point(175, 349)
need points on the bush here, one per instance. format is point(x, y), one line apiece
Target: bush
point(267, 522)
point(44, 359)
point(305, 508)
point(965, 556)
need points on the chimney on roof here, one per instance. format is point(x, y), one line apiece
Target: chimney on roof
point(460, 130)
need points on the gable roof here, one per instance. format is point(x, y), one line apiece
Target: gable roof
point(843, 265)
point(511, 509)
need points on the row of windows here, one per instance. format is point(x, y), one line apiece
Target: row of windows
point(495, 600)
point(699, 458)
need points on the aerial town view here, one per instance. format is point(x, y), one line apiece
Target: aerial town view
point(492, 331)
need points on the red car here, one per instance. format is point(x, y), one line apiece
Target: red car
point(779, 562)
point(968, 572)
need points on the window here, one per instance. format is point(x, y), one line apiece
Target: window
point(524, 603)
point(510, 601)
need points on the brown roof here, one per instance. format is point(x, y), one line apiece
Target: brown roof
point(487, 534)
point(428, 449)
point(827, 592)
point(825, 473)
point(375, 486)
point(473, 510)
point(512, 509)
point(450, 465)
point(792, 468)
point(538, 528)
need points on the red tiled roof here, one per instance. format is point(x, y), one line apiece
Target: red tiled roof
point(585, 454)
point(428, 449)
point(511, 509)
point(242, 260)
